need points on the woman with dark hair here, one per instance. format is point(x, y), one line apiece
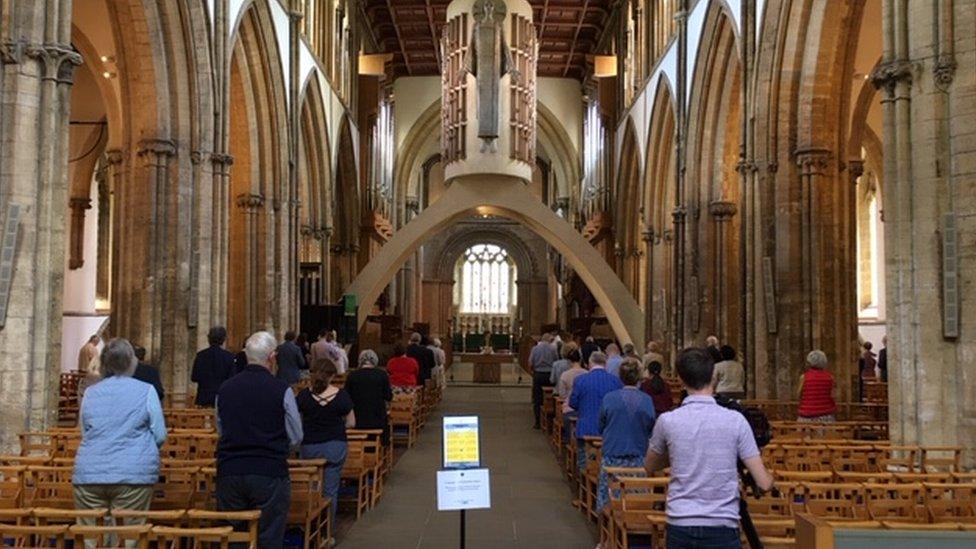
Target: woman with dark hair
point(729, 375)
point(656, 388)
point(327, 411)
point(403, 369)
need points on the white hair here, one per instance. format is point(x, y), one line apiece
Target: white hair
point(437, 342)
point(259, 347)
point(368, 357)
point(817, 359)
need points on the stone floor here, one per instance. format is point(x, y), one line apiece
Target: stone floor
point(531, 503)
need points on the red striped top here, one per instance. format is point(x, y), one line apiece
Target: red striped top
point(816, 400)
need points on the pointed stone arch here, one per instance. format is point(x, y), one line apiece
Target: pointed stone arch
point(627, 216)
point(347, 213)
point(314, 195)
point(508, 198)
point(659, 200)
point(713, 193)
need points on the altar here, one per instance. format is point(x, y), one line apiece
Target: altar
point(487, 368)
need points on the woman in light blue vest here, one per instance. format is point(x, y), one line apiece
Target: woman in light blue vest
point(122, 429)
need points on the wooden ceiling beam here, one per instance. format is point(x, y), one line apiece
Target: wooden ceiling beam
point(433, 32)
point(403, 51)
point(572, 47)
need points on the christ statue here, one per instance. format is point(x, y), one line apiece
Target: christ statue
point(488, 59)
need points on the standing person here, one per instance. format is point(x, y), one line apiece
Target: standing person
point(541, 358)
point(370, 390)
point(146, 373)
point(703, 442)
point(613, 359)
point(867, 364)
point(589, 347)
point(403, 370)
point(290, 359)
point(440, 360)
point(563, 364)
point(586, 399)
point(883, 359)
point(652, 353)
point(327, 411)
point(259, 424)
point(122, 429)
point(212, 367)
point(328, 347)
point(656, 388)
point(711, 342)
point(564, 387)
point(423, 356)
point(626, 421)
point(816, 391)
point(87, 353)
point(729, 375)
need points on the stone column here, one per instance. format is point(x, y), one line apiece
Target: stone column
point(221, 228)
point(36, 62)
point(648, 237)
point(252, 205)
point(678, 216)
point(76, 247)
point(722, 212)
point(813, 163)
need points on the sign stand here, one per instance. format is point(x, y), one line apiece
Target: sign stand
point(462, 484)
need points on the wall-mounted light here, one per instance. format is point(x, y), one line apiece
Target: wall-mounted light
point(107, 59)
point(374, 64)
point(604, 66)
point(108, 74)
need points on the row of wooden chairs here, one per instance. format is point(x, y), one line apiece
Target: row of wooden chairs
point(63, 443)
point(864, 458)
point(134, 536)
point(780, 410)
point(856, 430)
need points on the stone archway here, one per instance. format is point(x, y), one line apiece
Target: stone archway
point(505, 197)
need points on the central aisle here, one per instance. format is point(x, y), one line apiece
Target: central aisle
point(531, 503)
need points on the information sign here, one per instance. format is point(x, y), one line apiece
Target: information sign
point(462, 449)
point(462, 489)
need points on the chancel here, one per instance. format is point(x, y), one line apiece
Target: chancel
point(253, 252)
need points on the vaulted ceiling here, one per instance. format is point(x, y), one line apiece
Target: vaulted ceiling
point(410, 29)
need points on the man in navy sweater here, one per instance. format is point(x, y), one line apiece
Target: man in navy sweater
point(211, 367)
point(259, 424)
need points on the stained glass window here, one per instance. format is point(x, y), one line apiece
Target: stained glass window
point(485, 276)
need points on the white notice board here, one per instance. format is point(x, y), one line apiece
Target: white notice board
point(463, 489)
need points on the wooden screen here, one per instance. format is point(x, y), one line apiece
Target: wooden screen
point(454, 114)
point(522, 118)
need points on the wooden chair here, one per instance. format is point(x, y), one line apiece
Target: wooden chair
point(836, 501)
point(206, 488)
point(15, 517)
point(950, 502)
point(776, 532)
point(33, 536)
point(860, 478)
point(912, 478)
point(786, 501)
point(614, 503)
point(936, 527)
point(899, 458)
point(309, 509)
point(35, 444)
point(404, 425)
point(589, 480)
point(806, 457)
point(178, 538)
point(65, 443)
point(12, 486)
point(373, 461)
point(244, 523)
point(548, 409)
point(894, 502)
point(964, 477)
point(24, 461)
point(804, 476)
point(175, 489)
point(48, 486)
point(47, 516)
point(642, 506)
point(110, 536)
point(356, 474)
point(941, 459)
point(852, 458)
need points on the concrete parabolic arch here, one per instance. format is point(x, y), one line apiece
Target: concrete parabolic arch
point(506, 197)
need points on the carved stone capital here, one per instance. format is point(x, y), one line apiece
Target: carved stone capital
point(79, 203)
point(158, 149)
point(668, 236)
point(855, 167)
point(58, 60)
point(679, 214)
point(114, 157)
point(251, 203)
point(745, 167)
point(813, 161)
point(649, 236)
point(887, 75)
point(197, 157)
point(944, 70)
point(722, 210)
point(222, 159)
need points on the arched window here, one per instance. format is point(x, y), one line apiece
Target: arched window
point(485, 276)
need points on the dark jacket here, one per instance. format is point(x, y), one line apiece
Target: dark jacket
point(425, 358)
point(290, 359)
point(150, 375)
point(588, 349)
point(211, 368)
point(251, 418)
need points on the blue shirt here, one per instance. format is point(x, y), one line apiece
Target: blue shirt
point(613, 365)
point(587, 397)
point(626, 423)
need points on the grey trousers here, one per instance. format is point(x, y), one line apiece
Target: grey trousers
point(135, 497)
